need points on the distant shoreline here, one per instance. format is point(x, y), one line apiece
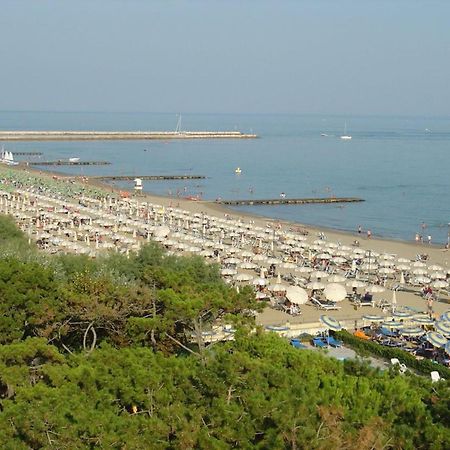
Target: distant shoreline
point(379, 244)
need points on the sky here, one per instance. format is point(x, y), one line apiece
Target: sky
point(383, 57)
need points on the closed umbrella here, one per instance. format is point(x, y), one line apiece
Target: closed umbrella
point(436, 339)
point(335, 292)
point(331, 323)
point(296, 295)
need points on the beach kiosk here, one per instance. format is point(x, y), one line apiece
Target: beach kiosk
point(138, 185)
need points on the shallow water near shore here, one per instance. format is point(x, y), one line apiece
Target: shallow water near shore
point(399, 166)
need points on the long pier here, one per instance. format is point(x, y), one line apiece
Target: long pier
point(147, 177)
point(67, 163)
point(291, 201)
point(119, 135)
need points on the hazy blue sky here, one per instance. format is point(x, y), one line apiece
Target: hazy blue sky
point(305, 56)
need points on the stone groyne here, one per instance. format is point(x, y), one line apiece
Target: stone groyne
point(119, 135)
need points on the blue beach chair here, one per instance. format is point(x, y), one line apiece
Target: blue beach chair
point(297, 344)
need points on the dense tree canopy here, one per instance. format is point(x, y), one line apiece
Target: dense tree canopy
point(110, 353)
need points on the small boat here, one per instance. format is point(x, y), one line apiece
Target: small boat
point(237, 170)
point(324, 134)
point(74, 159)
point(345, 136)
point(7, 158)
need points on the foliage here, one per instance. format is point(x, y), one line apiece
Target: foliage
point(110, 353)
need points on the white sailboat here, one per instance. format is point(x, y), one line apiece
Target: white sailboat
point(345, 136)
point(7, 158)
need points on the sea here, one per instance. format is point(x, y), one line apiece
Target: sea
point(398, 165)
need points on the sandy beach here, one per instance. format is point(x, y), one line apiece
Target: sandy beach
point(308, 320)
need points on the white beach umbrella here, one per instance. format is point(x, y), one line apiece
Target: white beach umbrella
point(304, 270)
point(259, 281)
point(243, 277)
point(418, 264)
point(338, 260)
point(403, 267)
point(375, 289)
point(296, 295)
point(422, 280)
point(438, 276)
point(435, 267)
point(248, 265)
point(336, 279)
point(355, 284)
point(419, 271)
point(439, 284)
point(335, 292)
point(315, 285)
point(404, 260)
point(386, 271)
point(278, 287)
point(228, 272)
point(319, 274)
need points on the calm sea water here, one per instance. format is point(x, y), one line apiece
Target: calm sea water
point(400, 166)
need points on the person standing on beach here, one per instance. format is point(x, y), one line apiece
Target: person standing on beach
point(359, 229)
point(369, 234)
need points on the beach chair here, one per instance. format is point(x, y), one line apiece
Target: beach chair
point(297, 344)
point(322, 304)
point(318, 342)
point(333, 342)
point(435, 377)
point(401, 367)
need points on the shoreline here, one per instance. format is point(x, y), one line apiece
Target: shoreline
point(408, 249)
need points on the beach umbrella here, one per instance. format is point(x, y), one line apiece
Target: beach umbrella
point(413, 332)
point(443, 327)
point(262, 295)
point(315, 285)
point(373, 318)
point(259, 281)
point(161, 231)
point(418, 264)
point(402, 278)
point(336, 279)
point(439, 284)
point(402, 314)
point(423, 320)
point(319, 274)
point(296, 295)
point(386, 271)
point(403, 267)
point(438, 276)
point(338, 260)
point(435, 267)
point(303, 269)
point(288, 265)
point(335, 292)
point(447, 348)
point(446, 316)
point(356, 284)
point(331, 323)
point(419, 271)
point(228, 272)
point(247, 265)
point(243, 277)
point(436, 339)
point(368, 267)
point(393, 324)
point(403, 260)
point(387, 257)
point(422, 280)
point(323, 256)
point(278, 287)
point(375, 289)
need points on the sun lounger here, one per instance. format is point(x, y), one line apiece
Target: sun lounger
point(323, 304)
point(297, 344)
point(333, 342)
point(401, 366)
point(318, 342)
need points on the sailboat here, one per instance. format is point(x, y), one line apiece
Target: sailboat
point(7, 158)
point(345, 136)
